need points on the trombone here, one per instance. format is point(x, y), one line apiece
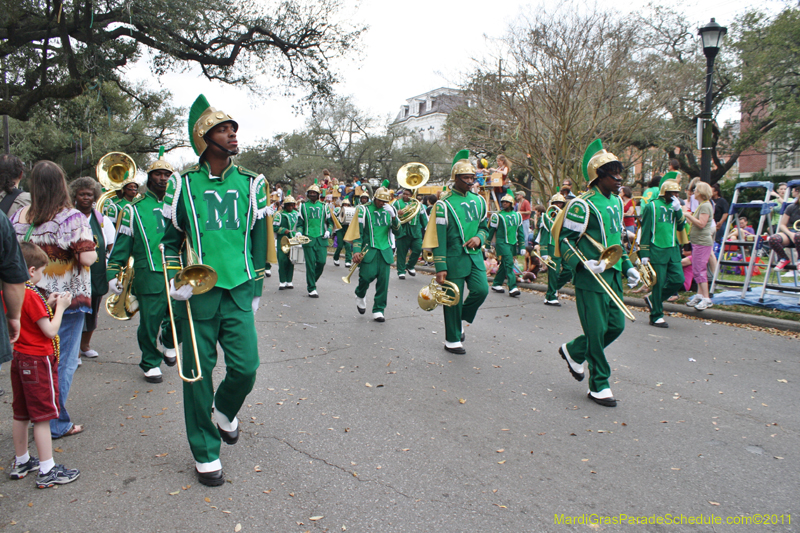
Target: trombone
point(547, 260)
point(609, 256)
point(202, 278)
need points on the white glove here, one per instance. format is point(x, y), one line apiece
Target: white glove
point(326, 235)
point(595, 266)
point(645, 260)
point(115, 286)
point(524, 252)
point(633, 277)
point(676, 204)
point(271, 210)
point(256, 301)
point(182, 294)
point(390, 209)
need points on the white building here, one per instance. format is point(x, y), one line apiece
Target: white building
point(425, 115)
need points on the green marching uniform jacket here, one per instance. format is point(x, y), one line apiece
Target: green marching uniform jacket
point(506, 228)
point(374, 227)
point(459, 217)
point(600, 218)
point(225, 218)
point(283, 223)
point(414, 228)
point(316, 219)
point(660, 227)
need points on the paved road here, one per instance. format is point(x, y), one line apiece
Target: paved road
point(374, 427)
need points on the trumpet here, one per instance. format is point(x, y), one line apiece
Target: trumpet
point(297, 240)
point(202, 278)
point(354, 266)
point(124, 305)
point(547, 260)
point(432, 295)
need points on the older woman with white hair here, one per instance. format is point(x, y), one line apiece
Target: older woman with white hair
point(702, 239)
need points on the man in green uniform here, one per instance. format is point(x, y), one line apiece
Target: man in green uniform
point(662, 223)
point(598, 214)
point(345, 213)
point(409, 237)
point(364, 198)
point(456, 232)
point(221, 210)
point(314, 222)
point(125, 195)
point(556, 277)
point(506, 228)
point(139, 236)
point(284, 223)
point(372, 250)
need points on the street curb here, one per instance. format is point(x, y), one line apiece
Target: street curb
point(712, 314)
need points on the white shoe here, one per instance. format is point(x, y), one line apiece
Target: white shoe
point(498, 289)
point(378, 317)
point(336, 262)
point(153, 375)
point(361, 305)
point(694, 300)
point(282, 286)
point(705, 303)
point(401, 276)
point(348, 265)
point(514, 292)
point(289, 285)
point(79, 361)
point(268, 273)
point(313, 294)
point(170, 356)
point(412, 272)
point(91, 354)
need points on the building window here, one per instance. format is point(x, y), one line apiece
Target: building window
point(786, 161)
point(421, 108)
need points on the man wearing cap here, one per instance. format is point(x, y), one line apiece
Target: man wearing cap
point(284, 223)
point(598, 214)
point(556, 277)
point(409, 237)
point(456, 232)
point(662, 231)
point(222, 211)
point(345, 213)
point(139, 236)
point(506, 228)
point(314, 221)
point(372, 250)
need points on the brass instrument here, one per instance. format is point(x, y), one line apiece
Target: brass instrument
point(411, 176)
point(112, 170)
point(794, 226)
point(547, 260)
point(124, 305)
point(647, 272)
point(354, 266)
point(297, 240)
point(427, 256)
point(336, 224)
point(609, 256)
point(432, 295)
point(202, 278)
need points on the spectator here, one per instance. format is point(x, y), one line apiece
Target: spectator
point(13, 275)
point(629, 214)
point(480, 175)
point(12, 199)
point(66, 237)
point(777, 196)
point(532, 265)
point(702, 243)
point(786, 235)
point(743, 226)
point(36, 354)
point(503, 167)
point(567, 184)
point(85, 192)
point(721, 207)
point(491, 264)
point(690, 199)
point(524, 209)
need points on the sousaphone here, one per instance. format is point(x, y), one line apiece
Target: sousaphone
point(411, 176)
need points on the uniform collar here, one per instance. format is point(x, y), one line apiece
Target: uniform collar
point(205, 167)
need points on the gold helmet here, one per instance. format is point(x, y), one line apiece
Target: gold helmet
point(507, 198)
point(313, 188)
point(669, 183)
point(345, 202)
point(557, 197)
point(160, 163)
point(462, 165)
point(594, 158)
point(289, 200)
point(383, 194)
point(202, 118)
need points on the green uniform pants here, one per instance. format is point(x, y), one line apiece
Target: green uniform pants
point(557, 277)
point(340, 243)
point(669, 280)
point(378, 269)
point(285, 267)
point(505, 271)
point(235, 331)
point(153, 319)
point(602, 323)
point(466, 309)
point(404, 245)
point(315, 254)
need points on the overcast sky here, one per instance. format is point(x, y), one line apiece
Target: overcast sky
point(411, 47)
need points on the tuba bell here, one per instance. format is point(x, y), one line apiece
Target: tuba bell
point(411, 176)
point(124, 305)
point(112, 170)
point(432, 295)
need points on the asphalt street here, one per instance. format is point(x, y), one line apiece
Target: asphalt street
point(360, 426)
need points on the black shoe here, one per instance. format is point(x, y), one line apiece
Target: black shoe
point(648, 303)
point(575, 375)
point(605, 402)
point(659, 324)
point(460, 350)
point(211, 479)
point(230, 437)
point(170, 361)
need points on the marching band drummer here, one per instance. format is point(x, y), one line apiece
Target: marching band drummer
point(284, 222)
point(140, 233)
point(597, 213)
point(371, 233)
point(456, 232)
point(409, 238)
point(345, 213)
point(221, 210)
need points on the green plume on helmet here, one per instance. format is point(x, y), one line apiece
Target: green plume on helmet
point(591, 150)
point(668, 176)
point(385, 183)
point(161, 152)
point(462, 154)
point(199, 105)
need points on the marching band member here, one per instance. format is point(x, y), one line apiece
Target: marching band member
point(140, 233)
point(506, 228)
point(456, 232)
point(409, 238)
point(125, 195)
point(221, 210)
point(364, 198)
point(284, 223)
point(597, 213)
point(345, 214)
point(314, 219)
point(662, 228)
point(371, 233)
point(556, 277)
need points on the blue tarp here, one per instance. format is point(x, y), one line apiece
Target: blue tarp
point(782, 302)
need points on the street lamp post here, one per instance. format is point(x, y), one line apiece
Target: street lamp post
point(711, 35)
